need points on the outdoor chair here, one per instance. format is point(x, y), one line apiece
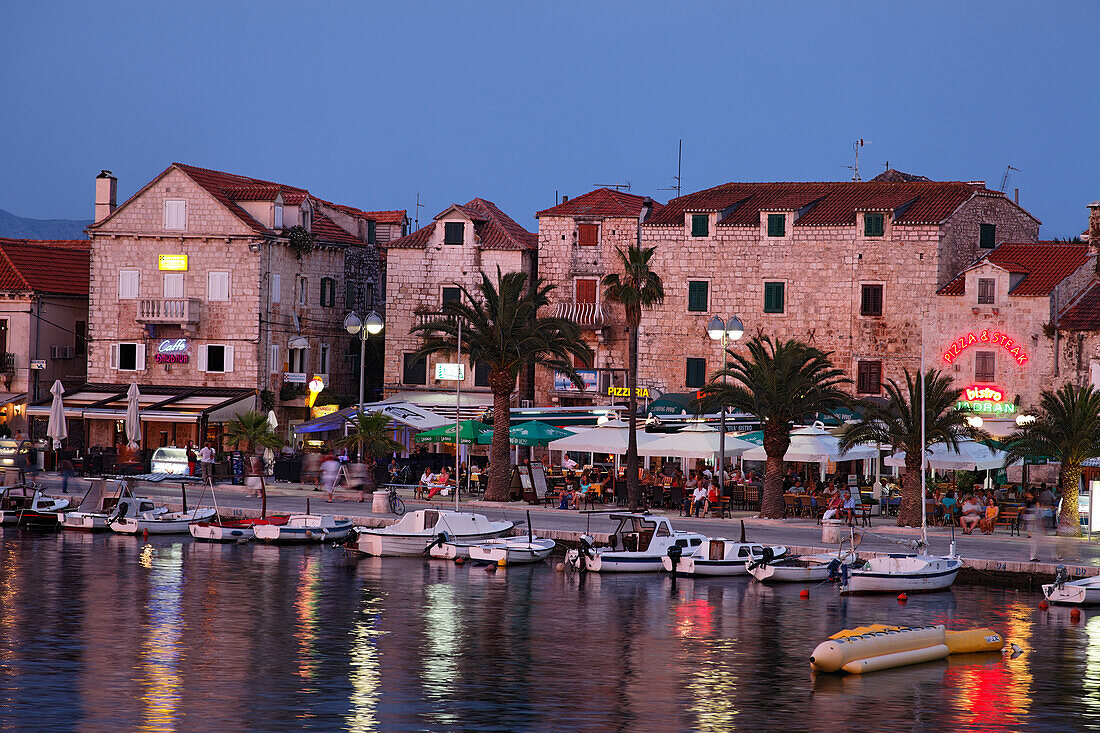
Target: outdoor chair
point(792, 506)
point(1008, 516)
point(721, 506)
point(862, 515)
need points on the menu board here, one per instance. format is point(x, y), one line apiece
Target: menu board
point(538, 477)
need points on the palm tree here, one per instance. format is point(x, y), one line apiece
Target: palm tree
point(636, 288)
point(369, 436)
point(897, 423)
point(778, 382)
point(253, 429)
point(1067, 429)
point(501, 328)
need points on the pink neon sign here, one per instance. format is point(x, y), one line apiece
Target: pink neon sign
point(984, 338)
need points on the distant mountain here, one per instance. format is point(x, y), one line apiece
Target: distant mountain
point(18, 227)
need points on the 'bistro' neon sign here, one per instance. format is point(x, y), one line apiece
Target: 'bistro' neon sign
point(985, 398)
point(996, 338)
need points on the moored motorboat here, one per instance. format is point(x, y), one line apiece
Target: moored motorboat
point(231, 530)
point(502, 550)
point(638, 545)
point(720, 556)
point(304, 528)
point(1080, 592)
point(96, 521)
point(802, 568)
point(415, 531)
point(128, 518)
point(902, 574)
point(27, 506)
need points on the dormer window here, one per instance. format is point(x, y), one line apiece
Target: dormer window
point(453, 232)
point(777, 225)
point(873, 224)
point(307, 218)
point(372, 231)
point(986, 289)
point(278, 216)
point(700, 225)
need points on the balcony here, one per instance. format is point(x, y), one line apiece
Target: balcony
point(589, 315)
point(423, 317)
point(182, 311)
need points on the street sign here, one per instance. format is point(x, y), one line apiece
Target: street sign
point(450, 372)
point(38, 363)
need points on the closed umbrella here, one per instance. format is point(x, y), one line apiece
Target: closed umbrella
point(57, 430)
point(272, 421)
point(133, 419)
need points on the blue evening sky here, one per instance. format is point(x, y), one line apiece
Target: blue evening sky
point(370, 103)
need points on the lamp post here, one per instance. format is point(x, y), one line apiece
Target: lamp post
point(723, 331)
point(356, 326)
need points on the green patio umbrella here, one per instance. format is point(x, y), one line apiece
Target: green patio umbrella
point(468, 433)
point(532, 432)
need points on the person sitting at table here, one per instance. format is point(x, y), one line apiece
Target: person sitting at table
point(985, 524)
point(425, 483)
point(971, 515)
point(848, 508)
point(699, 499)
point(948, 503)
point(713, 495)
point(585, 487)
point(567, 463)
point(836, 502)
point(440, 483)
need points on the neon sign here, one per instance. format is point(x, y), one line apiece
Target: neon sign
point(985, 398)
point(983, 393)
point(172, 351)
point(984, 337)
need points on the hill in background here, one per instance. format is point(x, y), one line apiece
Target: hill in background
point(18, 227)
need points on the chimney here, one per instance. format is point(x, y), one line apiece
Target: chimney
point(106, 191)
point(1094, 224)
point(564, 198)
point(647, 209)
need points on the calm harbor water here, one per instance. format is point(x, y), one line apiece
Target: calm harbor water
point(115, 633)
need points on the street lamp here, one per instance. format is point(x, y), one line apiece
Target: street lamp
point(724, 331)
point(356, 326)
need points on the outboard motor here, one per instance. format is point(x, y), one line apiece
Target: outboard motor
point(440, 540)
point(766, 557)
point(674, 552)
point(1061, 576)
point(834, 571)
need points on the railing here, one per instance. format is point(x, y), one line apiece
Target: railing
point(169, 310)
point(424, 317)
point(585, 314)
point(7, 362)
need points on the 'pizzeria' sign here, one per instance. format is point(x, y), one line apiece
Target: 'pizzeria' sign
point(984, 338)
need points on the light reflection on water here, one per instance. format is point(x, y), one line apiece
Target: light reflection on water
point(170, 635)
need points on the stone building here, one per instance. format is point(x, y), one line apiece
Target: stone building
point(220, 281)
point(424, 270)
point(852, 268)
point(578, 240)
point(43, 321)
point(1077, 327)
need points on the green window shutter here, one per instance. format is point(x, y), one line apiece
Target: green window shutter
point(452, 232)
point(700, 224)
point(773, 297)
point(696, 373)
point(873, 225)
point(372, 232)
point(777, 225)
point(987, 236)
point(697, 296)
point(349, 295)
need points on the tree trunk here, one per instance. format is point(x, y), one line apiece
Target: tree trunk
point(777, 439)
point(633, 485)
point(369, 484)
point(500, 465)
point(909, 507)
point(1069, 520)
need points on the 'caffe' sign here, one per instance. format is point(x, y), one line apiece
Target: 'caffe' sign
point(173, 351)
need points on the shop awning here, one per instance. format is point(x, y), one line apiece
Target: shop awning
point(158, 403)
point(673, 403)
point(6, 398)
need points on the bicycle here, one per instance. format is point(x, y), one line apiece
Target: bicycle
point(397, 506)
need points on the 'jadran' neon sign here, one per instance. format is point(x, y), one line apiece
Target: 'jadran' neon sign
point(984, 338)
point(985, 398)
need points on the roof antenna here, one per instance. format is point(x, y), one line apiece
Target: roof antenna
point(419, 206)
point(1007, 175)
point(855, 168)
point(617, 186)
point(679, 160)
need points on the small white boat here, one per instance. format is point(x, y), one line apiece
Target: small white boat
point(506, 550)
point(719, 556)
point(23, 505)
point(902, 573)
point(1080, 592)
point(231, 530)
point(644, 541)
point(414, 532)
point(96, 521)
point(128, 518)
point(301, 528)
point(802, 568)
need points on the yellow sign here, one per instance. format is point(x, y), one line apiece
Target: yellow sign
point(322, 410)
point(176, 263)
point(625, 391)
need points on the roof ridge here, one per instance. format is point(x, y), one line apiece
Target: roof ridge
point(8, 261)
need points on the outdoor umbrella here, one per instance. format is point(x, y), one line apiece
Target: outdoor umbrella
point(57, 429)
point(812, 445)
point(133, 420)
point(532, 432)
point(695, 441)
point(604, 439)
point(970, 456)
point(468, 432)
point(272, 421)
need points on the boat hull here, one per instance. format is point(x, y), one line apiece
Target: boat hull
point(381, 544)
point(1084, 592)
point(84, 522)
point(807, 569)
point(512, 552)
point(295, 533)
point(171, 523)
point(937, 574)
point(623, 562)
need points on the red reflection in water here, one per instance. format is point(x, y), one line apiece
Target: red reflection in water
point(694, 619)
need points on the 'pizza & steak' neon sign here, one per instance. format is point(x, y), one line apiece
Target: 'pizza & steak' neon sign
point(962, 343)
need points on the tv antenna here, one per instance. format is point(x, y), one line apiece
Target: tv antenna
point(617, 186)
point(679, 160)
point(416, 214)
point(855, 168)
point(1007, 175)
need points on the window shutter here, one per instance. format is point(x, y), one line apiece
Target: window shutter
point(228, 358)
point(173, 285)
point(128, 284)
point(276, 287)
point(697, 295)
point(589, 234)
point(202, 358)
point(987, 236)
point(217, 286)
point(139, 357)
point(700, 225)
point(273, 365)
point(586, 291)
point(114, 356)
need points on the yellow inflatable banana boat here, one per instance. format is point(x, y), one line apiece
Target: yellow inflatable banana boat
point(871, 648)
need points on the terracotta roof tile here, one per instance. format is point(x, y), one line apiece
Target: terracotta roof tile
point(823, 204)
point(45, 265)
point(599, 204)
point(1084, 313)
point(1043, 265)
point(494, 229)
point(416, 240)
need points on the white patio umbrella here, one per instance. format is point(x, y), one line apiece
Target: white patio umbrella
point(815, 445)
point(694, 441)
point(133, 419)
point(604, 439)
point(970, 456)
point(57, 430)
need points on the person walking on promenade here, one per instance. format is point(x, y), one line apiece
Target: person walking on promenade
point(206, 461)
point(192, 458)
point(330, 474)
point(67, 468)
point(1033, 521)
point(254, 476)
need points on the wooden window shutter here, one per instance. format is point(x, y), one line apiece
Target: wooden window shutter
point(588, 234)
point(697, 296)
point(586, 291)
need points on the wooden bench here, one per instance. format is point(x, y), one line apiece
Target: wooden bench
point(1008, 516)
